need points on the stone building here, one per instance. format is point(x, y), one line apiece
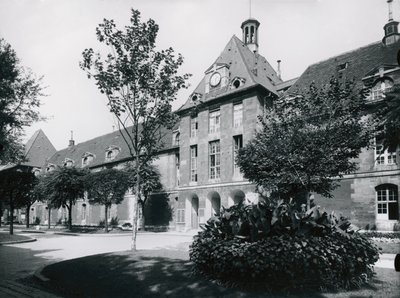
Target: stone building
point(38, 150)
point(370, 197)
point(197, 163)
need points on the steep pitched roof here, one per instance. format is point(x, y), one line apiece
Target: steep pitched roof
point(359, 62)
point(242, 63)
point(38, 149)
point(98, 146)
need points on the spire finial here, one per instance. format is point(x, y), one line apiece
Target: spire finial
point(249, 9)
point(390, 10)
point(72, 134)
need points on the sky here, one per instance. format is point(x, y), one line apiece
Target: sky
point(50, 35)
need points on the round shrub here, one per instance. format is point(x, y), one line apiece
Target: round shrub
point(291, 258)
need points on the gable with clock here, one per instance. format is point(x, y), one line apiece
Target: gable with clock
point(217, 76)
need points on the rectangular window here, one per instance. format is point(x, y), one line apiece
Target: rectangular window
point(385, 157)
point(215, 160)
point(214, 121)
point(237, 115)
point(193, 163)
point(193, 127)
point(177, 167)
point(237, 144)
point(387, 202)
point(180, 216)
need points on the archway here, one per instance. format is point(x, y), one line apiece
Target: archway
point(215, 200)
point(237, 196)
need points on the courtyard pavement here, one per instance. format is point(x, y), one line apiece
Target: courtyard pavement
point(20, 261)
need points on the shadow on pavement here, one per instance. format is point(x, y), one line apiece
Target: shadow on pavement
point(143, 274)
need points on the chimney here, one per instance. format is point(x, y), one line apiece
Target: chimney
point(278, 72)
point(71, 141)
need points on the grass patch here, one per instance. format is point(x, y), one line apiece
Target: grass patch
point(388, 248)
point(6, 237)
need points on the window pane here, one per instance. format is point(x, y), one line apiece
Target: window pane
point(393, 210)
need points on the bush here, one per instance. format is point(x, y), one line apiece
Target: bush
point(114, 221)
point(102, 223)
point(37, 221)
point(281, 248)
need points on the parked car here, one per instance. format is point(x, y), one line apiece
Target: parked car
point(126, 226)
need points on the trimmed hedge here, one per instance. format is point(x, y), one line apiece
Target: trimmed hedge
point(334, 259)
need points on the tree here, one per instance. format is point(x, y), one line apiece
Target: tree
point(140, 83)
point(16, 187)
point(41, 195)
point(63, 187)
point(150, 182)
point(30, 196)
point(107, 187)
point(306, 141)
point(386, 117)
point(20, 93)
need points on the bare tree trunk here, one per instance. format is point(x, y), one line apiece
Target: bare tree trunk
point(135, 205)
point(143, 221)
point(28, 209)
point(11, 217)
point(69, 215)
point(1, 211)
point(106, 218)
point(49, 217)
point(308, 200)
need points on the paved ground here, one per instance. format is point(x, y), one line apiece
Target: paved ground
point(19, 261)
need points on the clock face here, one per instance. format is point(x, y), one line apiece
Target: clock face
point(215, 79)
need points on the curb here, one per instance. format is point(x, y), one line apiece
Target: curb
point(66, 234)
point(38, 274)
point(18, 241)
point(33, 232)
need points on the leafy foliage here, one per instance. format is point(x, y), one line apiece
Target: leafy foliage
point(63, 187)
point(150, 181)
point(280, 249)
point(140, 84)
point(106, 187)
point(20, 93)
point(157, 210)
point(114, 221)
point(386, 116)
point(17, 189)
point(307, 140)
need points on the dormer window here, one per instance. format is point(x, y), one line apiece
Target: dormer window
point(237, 82)
point(195, 97)
point(36, 171)
point(68, 163)
point(50, 168)
point(343, 66)
point(217, 76)
point(111, 153)
point(380, 88)
point(87, 158)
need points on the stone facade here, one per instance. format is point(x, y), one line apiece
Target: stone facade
point(197, 165)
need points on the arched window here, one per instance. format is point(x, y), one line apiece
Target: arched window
point(87, 158)
point(50, 168)
point(68, 163)
point(112, 152)
point(387, 199)
point(177, 139)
